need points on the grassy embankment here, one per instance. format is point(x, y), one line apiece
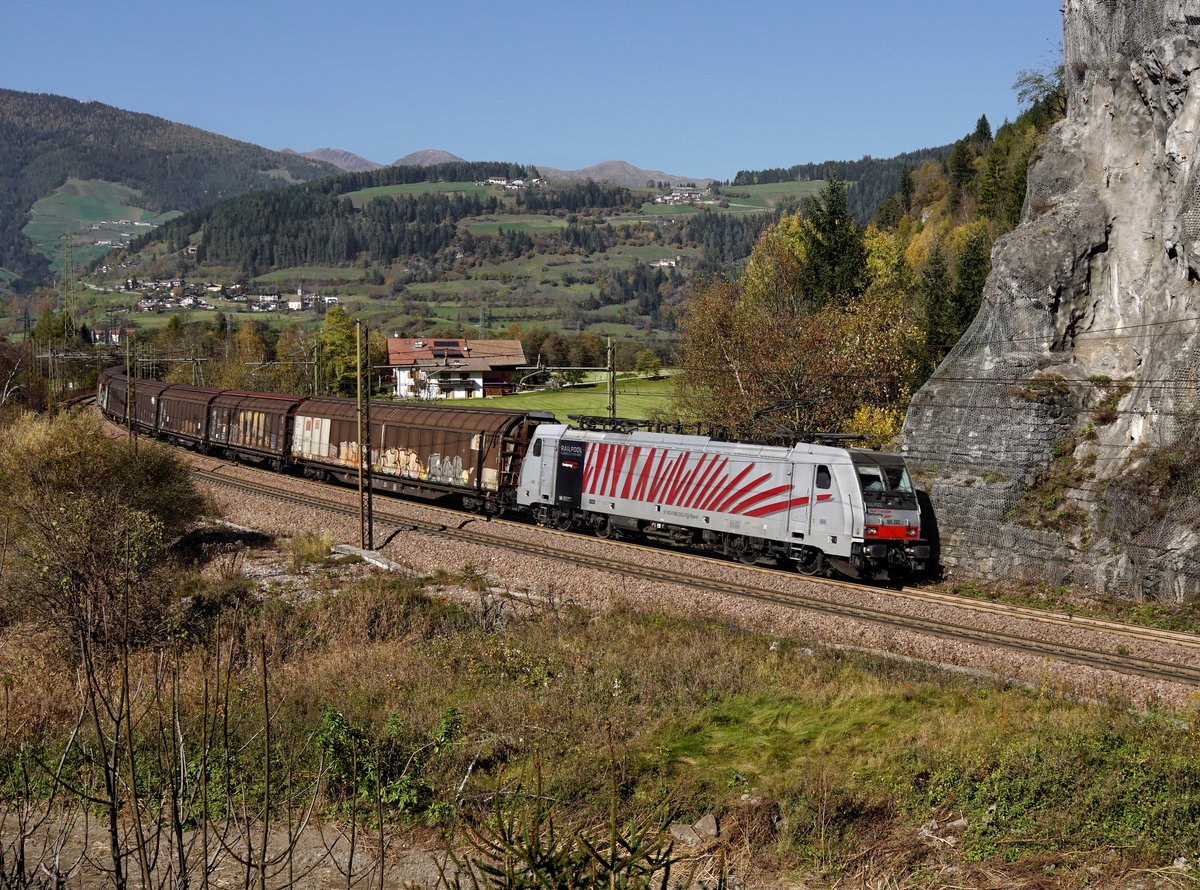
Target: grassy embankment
point(842, 756)
point(385, 698)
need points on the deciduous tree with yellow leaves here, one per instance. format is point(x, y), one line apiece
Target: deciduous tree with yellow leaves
point(766, 355)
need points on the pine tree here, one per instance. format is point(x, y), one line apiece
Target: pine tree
point(971, 272)
point(939, 318)
point(991, 185)
point(833, 266)
point(983, 131)
point(906, 189)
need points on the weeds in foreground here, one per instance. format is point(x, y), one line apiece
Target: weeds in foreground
point(522, 845)
point(410, 709)
point(309, 548)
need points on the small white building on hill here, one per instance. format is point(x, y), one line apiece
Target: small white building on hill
point(429, 368)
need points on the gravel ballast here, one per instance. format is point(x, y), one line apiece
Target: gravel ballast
point(547, 577)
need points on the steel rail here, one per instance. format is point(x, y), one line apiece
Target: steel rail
point(916, 594)
point(1094, 658)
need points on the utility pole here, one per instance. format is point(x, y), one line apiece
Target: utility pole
point(612, 380)
point(362, 524)
point(68, 285)
point(316, 391)
point(366, 513)
point(128, 395)
point(367, 424)
point(130, 368)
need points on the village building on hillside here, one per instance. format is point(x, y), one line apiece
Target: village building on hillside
point(453, 369)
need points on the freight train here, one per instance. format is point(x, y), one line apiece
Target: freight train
point(820, 508)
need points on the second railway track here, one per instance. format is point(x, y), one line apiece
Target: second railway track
point(1105, 659)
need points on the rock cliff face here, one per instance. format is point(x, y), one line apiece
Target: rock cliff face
point(1058, 438)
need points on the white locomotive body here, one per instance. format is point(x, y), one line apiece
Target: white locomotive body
point(817, 506)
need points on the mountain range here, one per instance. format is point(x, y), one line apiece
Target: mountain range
point(612, 172)
point(142, 167)
point(620, 173)
point(50, 144)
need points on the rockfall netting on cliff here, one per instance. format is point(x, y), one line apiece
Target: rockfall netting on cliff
point(1059, 438)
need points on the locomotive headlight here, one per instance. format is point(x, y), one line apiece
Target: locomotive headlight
point(871, 530)
point(912, 531)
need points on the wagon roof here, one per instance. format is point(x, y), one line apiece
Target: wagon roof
point(471, 419)
point(154, 387)
point(269, 402)
point(185, 393)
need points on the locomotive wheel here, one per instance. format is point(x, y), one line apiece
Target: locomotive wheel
point(742, 550)
point(605, 530)
point(562, 521)
point(811, 561)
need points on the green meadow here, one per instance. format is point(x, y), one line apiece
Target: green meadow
point(90, 211)
point(637, 398)
point(514, 223)
point(362, 196)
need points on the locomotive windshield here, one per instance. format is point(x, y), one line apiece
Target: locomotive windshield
point(884, 481)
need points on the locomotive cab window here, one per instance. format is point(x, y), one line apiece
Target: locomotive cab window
point(875, 478)
point(871, 479)
point(897, 479)
point(885, 483)
point(824, 479)
point(537, 447)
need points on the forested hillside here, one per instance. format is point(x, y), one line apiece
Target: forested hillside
point(858, 315)
point(874, 179)
point(316, 224)
point(462, 241)
point(45, 139)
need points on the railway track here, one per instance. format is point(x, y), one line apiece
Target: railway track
point(1107, 659)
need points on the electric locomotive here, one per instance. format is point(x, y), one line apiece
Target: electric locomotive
point(821, 508)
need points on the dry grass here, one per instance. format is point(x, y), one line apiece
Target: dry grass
point(820, 762)
point(309, 548)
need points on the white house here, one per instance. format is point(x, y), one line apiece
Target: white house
point(431, 368)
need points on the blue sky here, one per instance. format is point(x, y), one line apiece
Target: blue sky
point(700, 89)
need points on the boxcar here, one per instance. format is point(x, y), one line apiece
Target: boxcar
point(183, 414)
point(146, 398)
point(252, 426)
point(111, 393)
point(418, 450)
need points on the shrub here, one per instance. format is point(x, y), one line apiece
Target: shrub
point(309, 548)
point(89, 520)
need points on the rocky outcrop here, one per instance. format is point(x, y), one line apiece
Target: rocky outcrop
point(1044, 435)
